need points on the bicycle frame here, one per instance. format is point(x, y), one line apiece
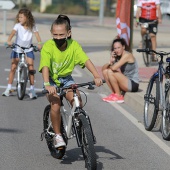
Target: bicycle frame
point(67, 116)
point(146, 41)
point(69, 120)
point(22, 62)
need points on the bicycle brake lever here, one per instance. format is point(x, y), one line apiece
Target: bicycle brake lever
point(91, 87)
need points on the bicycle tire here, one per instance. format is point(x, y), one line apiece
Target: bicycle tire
point(165, 125)
point(151, 104)
point(22, 84)
point(87, 144)
point(56, 153)
point(146, 43)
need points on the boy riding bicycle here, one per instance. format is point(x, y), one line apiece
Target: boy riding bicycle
point(59, 56)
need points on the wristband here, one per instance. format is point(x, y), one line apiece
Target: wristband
point(46, 83)
point(137, 19)
point(40, 42)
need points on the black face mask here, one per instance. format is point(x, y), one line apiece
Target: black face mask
point(59, 42)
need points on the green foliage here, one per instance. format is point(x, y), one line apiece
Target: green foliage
point(70, 8)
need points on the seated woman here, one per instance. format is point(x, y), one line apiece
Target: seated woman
point(121, 74)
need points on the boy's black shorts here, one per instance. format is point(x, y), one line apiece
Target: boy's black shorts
point(153, 28)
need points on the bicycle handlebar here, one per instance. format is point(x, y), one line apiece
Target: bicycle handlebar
point(35, 48)
point(72, 86)
point(147, 50)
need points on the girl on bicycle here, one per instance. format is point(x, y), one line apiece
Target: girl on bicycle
point(59, 56)
point(23, 29)
point(121, 74)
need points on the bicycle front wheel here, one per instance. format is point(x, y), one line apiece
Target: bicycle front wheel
point(22, 83)
point(87, 144)
point(146, 44)
point(57, 153)
point(165, 126)
point(151, 105)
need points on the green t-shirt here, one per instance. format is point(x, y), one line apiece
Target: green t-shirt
point(62, 63)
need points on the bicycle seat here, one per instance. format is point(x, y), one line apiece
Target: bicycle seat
point(145, 25)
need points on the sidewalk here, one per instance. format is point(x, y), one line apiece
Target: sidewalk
point(88, 32)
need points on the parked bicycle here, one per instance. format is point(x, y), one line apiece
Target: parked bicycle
point(74, 123)
point(157, 97)
point(146, 43)
point(22, 70)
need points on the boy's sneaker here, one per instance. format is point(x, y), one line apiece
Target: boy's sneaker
point(32, 94)
point(116, 98)
point(58, 141)
point(7, 92)
point(108, 97)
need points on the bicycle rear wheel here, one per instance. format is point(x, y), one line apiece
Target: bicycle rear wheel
point(87, 144)
point(165, 126)
point(55, 152)
point(146, 43)
point(151, 105)
point(22, 84)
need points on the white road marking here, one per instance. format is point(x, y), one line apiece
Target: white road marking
point(16, 80)
point(13, 87)
point(140, 126)
point(7, 69)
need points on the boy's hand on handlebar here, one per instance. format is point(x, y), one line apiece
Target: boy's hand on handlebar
point(51, 89)
point(39, 47)
point(98, 81)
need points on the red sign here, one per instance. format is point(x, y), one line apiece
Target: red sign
point(123, 19)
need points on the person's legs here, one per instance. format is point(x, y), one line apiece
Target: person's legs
point(30, 61)
point(105, 71)
point(56, 119)
point(153, 40)
point(118, 81)
point(14, 63)
point(152, 32)
point(143, 31)
point(55, 112)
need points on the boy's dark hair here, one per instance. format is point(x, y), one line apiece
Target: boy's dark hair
point(62, 19)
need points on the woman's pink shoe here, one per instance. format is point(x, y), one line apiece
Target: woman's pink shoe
point(115, 98)
point(108, 97)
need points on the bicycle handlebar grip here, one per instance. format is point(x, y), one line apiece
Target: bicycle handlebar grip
point(44, 91)
point(140, 50)
point(143, 50)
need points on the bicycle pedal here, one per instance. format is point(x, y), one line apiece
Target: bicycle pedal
point(60, 148)
point(12, 90)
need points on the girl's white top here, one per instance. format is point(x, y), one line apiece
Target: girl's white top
point(23, 37)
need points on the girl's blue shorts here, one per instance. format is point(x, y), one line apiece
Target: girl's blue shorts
point(16, 55)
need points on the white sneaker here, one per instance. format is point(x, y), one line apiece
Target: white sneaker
point(7, 92)
point(32, 94)
point(58, 141)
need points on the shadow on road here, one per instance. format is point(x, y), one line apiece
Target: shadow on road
point(6, 130)
point(74, 155)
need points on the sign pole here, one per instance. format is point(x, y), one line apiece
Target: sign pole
point(131, 25)
point(6, 5)
point(101, 12)
point(4, 23)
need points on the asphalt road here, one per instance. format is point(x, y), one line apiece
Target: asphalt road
point(122, 142)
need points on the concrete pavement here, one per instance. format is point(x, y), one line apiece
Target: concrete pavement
point(88, 32)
